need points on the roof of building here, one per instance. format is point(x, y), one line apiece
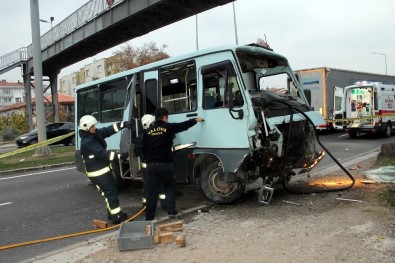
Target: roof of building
point(62, 99)
point(4, 83)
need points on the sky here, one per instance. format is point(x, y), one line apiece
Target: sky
point(341, 34)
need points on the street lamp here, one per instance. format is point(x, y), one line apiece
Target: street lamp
point(46, 21)
point(385, 60)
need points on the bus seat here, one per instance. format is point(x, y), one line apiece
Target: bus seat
point(209, 102)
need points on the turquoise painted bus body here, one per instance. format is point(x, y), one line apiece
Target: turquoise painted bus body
point(258, 125)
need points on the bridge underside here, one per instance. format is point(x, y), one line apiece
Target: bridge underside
point(123, 22)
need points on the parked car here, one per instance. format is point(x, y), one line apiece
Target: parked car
point(53, 130)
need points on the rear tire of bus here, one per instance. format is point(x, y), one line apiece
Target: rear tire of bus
point(121, 183)
point(216, 189)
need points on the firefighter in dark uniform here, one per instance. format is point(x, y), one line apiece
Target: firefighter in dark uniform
point(97, 162)
point(157, 143)
point(146, 121)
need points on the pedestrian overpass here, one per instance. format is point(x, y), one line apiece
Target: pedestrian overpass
point(95, 27)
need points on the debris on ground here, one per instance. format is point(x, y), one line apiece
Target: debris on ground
point(292, 203)
point(100, 224)
point(385, 174)
point(346, 199)
point(164, 232)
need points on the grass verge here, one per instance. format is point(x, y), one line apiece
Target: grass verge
point(384, 161)
point(387, 196)
point(26, 160)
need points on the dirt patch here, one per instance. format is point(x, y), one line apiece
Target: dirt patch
point(316, 228)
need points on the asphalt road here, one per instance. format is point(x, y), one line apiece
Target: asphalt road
point(342, 147)
point(41, 204)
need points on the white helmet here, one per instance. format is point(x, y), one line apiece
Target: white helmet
point(86, 122)
point(147, 120)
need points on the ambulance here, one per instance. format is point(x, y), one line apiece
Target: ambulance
point(370, 108)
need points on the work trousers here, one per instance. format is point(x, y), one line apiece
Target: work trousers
point(108, 188)
point(158, 174)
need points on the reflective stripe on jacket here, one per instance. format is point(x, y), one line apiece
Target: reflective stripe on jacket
point(99, 172)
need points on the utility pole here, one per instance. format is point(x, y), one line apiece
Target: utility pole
point(197, 34)
point(38, 77)
point(234, 19)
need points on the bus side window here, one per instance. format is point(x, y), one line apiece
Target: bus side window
point(219, 80)
point(89, 98)
point(112, 99)
point(179, 91)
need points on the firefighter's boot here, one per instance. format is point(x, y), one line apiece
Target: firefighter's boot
point(119, 218)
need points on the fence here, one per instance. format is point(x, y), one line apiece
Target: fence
point(86, 13)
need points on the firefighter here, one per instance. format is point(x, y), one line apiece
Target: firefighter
point(157, 143)
point(146, 122)
point(97, 162)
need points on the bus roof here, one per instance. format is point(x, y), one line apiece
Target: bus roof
point(248, 49)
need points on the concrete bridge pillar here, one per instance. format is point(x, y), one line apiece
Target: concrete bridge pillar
point(28, 97)
point(53, 81)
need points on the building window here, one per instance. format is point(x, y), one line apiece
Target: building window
point(69, 108)
point(99, 69)
point(73, 80)
point(18, 100)
point(87, 73)
point(7, 100)
point(7, 91)
point(64, 84)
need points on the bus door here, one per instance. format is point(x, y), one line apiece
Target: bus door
point(150, 91)
point(142, 99)
point(225, 130)
point(129, 136)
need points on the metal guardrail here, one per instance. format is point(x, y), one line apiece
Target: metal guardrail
point(86, 13)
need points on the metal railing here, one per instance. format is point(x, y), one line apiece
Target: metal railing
point(86, 13)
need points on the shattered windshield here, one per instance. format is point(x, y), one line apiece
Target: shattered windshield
point(266, 71)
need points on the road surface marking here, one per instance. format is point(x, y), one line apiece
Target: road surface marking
point(343, 135)
point(44, 172)
point(8, 203)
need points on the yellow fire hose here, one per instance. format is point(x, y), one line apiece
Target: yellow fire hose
point(69, 235)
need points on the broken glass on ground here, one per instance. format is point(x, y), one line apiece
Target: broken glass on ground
point(385, 174)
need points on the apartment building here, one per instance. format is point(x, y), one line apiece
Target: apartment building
point(96, 70)
point(11, 93)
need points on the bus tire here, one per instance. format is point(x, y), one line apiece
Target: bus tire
point(217, 190)
point(121, 183)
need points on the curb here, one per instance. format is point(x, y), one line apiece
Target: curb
point(81, 250)
point(8, 145)
point(348, 162)
point(28, 169)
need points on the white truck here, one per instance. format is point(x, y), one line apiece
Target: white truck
point(369, 108)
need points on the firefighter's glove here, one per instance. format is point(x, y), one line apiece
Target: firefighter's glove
point(111, 155)
point(124, 124)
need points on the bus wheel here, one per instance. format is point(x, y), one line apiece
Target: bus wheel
point(121, 183)
point(353, 134)
point(387, 132)
point(217, 189)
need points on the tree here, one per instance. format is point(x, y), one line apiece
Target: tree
point(131, 57)
point(11, 125)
